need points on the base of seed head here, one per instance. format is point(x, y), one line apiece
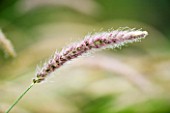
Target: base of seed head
point(37, 80)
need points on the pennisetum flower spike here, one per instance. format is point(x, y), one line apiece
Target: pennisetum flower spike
point(98, 41)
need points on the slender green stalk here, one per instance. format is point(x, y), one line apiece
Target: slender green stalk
point(20, 97)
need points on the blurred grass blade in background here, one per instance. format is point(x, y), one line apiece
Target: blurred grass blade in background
point(6, 45)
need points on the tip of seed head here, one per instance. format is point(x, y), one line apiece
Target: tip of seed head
point(141, 34)
point(145, 32)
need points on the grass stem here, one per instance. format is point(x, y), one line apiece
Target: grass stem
point(20, 97)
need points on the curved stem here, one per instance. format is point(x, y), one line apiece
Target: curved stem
point(20, 97)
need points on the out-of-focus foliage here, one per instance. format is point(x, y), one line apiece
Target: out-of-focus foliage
point(134, 79)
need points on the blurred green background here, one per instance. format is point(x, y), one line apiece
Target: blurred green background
point(134, 79)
